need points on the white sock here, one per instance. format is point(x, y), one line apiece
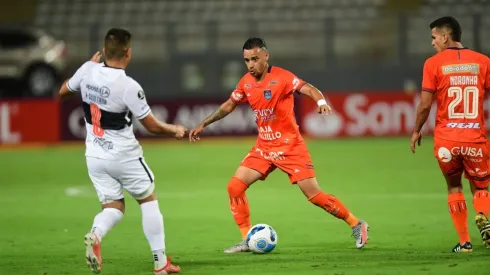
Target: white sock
point(105, 221)
point(153, 228)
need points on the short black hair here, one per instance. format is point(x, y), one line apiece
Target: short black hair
point(254, 42)
point(450, 23)
point(116, 43)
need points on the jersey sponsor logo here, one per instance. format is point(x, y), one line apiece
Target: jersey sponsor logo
point(268, 94)
point(237, 96)
point(469, 125)
point(444, 154)
point(475, 160)
point(102, 91)
point(478, 172)
point(271, 155)
point(295, 83)
point(461, 68)
point(266, 133)
point(247, 86)
point(141, 94)
point(467, 151)
point(104, 143)
point(273, 82)
point(265, 115)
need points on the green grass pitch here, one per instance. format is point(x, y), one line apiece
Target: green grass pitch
point(47, 204)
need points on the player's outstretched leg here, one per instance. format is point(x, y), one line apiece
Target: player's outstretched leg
point(241, 212)
point(336, 208)
point(481, 203)
point(103, 223)
point(154, 231)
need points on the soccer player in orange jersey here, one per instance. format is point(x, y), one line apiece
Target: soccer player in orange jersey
point(458, 78)
point(269, 92)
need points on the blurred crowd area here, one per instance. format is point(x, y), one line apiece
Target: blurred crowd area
point(192, 48)
point(366, 56)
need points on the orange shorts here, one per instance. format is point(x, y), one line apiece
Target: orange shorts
point(296, 161)
point(472, 158)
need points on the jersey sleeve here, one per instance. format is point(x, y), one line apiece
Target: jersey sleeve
point(135, 99)
point(429, 77)
point(293, 83)
point(74, 83)
point(238, 95)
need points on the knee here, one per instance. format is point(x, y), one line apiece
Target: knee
point(481, 185)
point(309, 187)
point(236, 187)
point(146, 198)
point(117, 204)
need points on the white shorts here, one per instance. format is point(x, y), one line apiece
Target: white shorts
point(111, 177)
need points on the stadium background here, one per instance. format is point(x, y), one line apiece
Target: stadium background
point(365, 55)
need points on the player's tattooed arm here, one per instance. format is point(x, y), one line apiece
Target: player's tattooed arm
point(217, 115)
point(225, 109)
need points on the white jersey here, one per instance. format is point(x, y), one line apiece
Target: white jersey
point(110, 99)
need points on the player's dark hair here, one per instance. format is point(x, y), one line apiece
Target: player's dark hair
point(116, 43)
point(254, 42)
point(451, 24)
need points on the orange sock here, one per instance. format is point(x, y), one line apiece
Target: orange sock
point(459, 214)
point(239, 205)
point(333, 206)
point(481, 202)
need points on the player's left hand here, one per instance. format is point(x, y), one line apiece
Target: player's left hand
point(416, 138)
point(324, 110)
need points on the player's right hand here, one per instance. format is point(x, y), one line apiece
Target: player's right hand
point(416, 138)
point(96, 57)
point(194, 133)
point(180, 131)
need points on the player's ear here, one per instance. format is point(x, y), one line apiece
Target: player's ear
point(445, 38)
point(129, 53)
point(266, 57)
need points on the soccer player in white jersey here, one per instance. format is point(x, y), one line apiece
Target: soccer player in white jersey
point(114, 157)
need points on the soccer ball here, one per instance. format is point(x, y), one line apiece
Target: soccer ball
point(261, 238)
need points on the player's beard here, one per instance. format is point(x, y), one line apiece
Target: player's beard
point(256, 73)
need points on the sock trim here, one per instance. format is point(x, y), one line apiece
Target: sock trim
point(314, 196)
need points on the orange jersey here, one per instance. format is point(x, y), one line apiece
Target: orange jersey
point(272, 102)
point(459, 78)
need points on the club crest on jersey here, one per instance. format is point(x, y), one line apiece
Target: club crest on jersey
point(268, 94)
